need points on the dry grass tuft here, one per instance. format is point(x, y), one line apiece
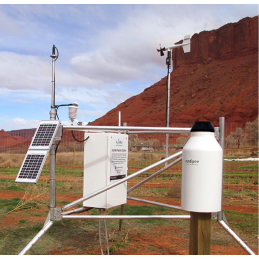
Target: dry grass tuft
point(175, 190)
point(11, 160)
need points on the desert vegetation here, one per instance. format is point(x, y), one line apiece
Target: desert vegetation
point(24, 207)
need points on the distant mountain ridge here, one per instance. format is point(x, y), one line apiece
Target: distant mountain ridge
point(24, 133)
point(9, 142)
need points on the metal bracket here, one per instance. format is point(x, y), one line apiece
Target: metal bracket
point(217, 133)
point(59, 133)
point(219, 216)
point(214, 216)
point(55, 214)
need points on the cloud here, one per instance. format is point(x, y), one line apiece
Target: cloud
point(20, 101)
point(107, 52)
point(22, 71)
point(128, 52)
point(96, 98)
point(98, 113)
point(18, 123)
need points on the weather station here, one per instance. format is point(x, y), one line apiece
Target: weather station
point(105, 169)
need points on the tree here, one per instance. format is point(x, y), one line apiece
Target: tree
point(252, 132)
point(133, 139)
point(236, 138)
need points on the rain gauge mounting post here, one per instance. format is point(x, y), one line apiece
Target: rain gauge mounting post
point(201, 192)
point(186, 48)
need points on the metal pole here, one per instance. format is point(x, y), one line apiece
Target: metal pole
point(119, 122)
point(122, 206)
point(126, 217)
point(154, 132)
point(37, 237)
point(53, 111)
point(52, 185)
point(222, 132)
point(120, 181)
point(153, 175)
point(235, 236)
point(155, 203)
point(168, 62)
point(127, 128)
point(79, 210)
point(220, 214)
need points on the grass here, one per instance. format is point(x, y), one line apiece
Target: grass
point(81, 236)
point(239, 194)
point(9, 205)
point(243, 222)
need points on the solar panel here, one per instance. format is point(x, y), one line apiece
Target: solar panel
point(32, 166)
point(38, 151)
point(43, 137)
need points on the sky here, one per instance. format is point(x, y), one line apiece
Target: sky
point(107, 53)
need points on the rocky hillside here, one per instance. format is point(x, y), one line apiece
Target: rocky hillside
point(9, 142)
point(219, 77)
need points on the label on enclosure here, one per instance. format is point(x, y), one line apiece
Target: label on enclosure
point(119, 157)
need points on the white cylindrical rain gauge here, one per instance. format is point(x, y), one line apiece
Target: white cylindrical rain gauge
point(202, 165)
point(72, 113)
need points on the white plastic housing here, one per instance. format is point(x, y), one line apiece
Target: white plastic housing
point(105, 162)
point(202, 160)
point(72, 112)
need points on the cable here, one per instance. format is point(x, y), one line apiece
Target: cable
point(57, 112)
point(99, 230)
point(56, 150)
point(77, 139)
point(106, 234)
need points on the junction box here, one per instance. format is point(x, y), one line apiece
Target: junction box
point(105, 162)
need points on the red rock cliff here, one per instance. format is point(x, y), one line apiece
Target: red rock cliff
point(233, 39)
point(219, 77)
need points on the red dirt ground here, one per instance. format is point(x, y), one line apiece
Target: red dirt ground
point(162, 240)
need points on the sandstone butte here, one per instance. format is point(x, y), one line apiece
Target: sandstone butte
point(219, 77)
